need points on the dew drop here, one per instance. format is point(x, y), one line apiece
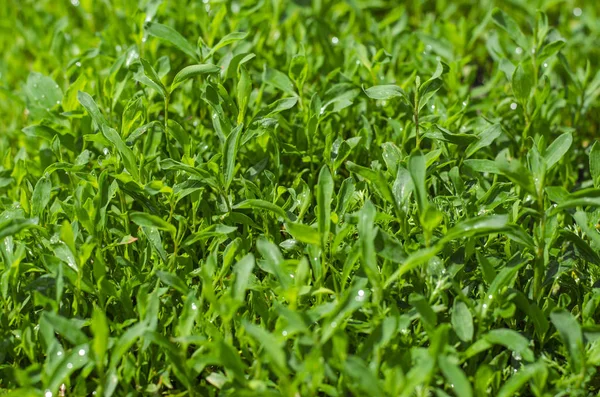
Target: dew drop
point(383, 103)
point(78, 64)
point(148, 18)
point(106, 151)
point(75, 2)
point(432, 107)
point(59, 353)
point(48, 393)
point(333, 324)
point(577, 12)
point(519, 50)
point(428, 47)
point(485, 306)
point(533, 50)
point(58, 102)
point(195, 123)
point(284, 333)
point(361, 292)
point(291, 275)
point(82, 352)
point(490, 297)
point(513, 106)
point(235, 8)
point(357, 62)
point(334, 40)
point(322, 110)
point(205, 1)
point(194, 307)
point(144, 39)
point(69, 365)
point(545, 64)
point(464, 104)
point(207, 8)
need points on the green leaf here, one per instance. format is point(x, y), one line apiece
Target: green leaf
point(385, 92)
point(41, 195)
point(261, 205)
point(242, 270)
point(457, 379)
point(303, 233)
point(14, 225)
point(366, 232)
point(511, 340)
point(418, 171)
point(42, 91)
point(278, 80)
point(88, 103)
point(511, 27)
point(462, 321)
point(147, 220)
point(522, 82)
point(376, 178)
point(229, 155)
point(129, 159)
point(244, 89)
point(192, 71)
point(69, 364)
point(170, 35)
point(173, 281)
point(68, 329)
point(225, 41)
point(273, 261)
point(100, 329)
point(478, 226)
point(570, 333)
point(520, 378)
point(324, 196)
point(270, 344)
point(125, 342)
point(362, 376)
point(153, 80)
point(595, 163)
point(486, 138)
point(557, 149)
point(550, 49)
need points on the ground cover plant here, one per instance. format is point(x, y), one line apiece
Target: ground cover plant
point(295, 198)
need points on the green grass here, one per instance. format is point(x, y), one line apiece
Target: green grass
point(283, 198)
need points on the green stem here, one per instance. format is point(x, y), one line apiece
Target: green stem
point(539, 266)
point(166, 112)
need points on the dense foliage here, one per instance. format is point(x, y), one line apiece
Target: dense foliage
point(299, 198)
